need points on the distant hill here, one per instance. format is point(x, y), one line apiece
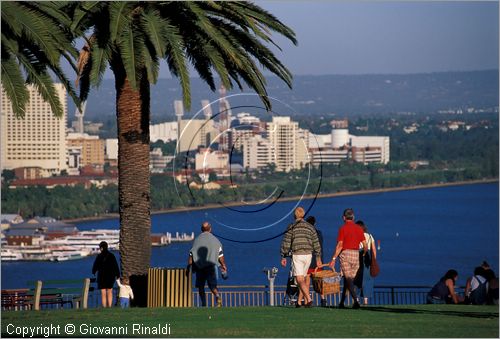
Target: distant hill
point(342, 94)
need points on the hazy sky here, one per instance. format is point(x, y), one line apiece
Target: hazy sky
point(388, 37)
point(360, 37)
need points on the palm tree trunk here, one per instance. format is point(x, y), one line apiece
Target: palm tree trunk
point(133, 116)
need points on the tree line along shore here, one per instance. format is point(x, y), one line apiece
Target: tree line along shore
point(291, 198)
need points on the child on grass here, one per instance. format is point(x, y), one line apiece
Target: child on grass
point(125, 292)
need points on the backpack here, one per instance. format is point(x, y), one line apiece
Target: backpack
point(479, 295)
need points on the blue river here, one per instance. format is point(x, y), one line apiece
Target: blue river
point(422, 234)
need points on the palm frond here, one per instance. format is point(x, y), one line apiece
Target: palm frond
point(119, 19)
point(131, 44)
point(13, 85)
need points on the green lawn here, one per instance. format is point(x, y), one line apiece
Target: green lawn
point(373, 321)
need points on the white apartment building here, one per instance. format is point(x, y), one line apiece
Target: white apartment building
point(283, 135)
point(208, 159)
point(374, 143)
point(111, 149)
point(257, 153)
point(165, 132)
point(342, 146)
point(303, 156)
point(328, 155)
point(195, 133)
point(37, 140)
point(241, 134)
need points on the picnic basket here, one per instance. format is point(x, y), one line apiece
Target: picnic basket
point(326, 282)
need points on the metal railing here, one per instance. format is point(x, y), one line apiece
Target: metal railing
point(253, 296)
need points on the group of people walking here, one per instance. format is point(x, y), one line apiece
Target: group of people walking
point(303, 243)
point(354, 248)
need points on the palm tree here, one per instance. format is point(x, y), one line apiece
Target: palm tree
point(34, 37)
point(222, 38)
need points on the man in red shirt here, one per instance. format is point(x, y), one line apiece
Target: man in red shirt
point(348, 240)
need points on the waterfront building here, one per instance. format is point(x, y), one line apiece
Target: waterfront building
point(328, 155)
point(372, 144)
point(282, 133)
point(37, 140)
point(10, 219)
point(290, 144)
point(92, 148)
point(206, 159)
point(257, 153)
point(340, 145)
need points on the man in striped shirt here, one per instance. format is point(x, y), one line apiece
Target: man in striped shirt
point(301, 241)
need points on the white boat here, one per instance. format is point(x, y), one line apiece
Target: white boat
point(9, 255)
point(66, 253)
point(88, 240)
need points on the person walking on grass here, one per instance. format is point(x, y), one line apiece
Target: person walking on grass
point(364, 281)
point(126, 294)
point(349, 237)
point(107, 270)
point(204, 257)
point(301, 241)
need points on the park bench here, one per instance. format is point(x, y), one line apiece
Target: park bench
point(59, 293)
point(15, 299)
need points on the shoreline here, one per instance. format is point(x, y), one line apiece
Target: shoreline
point(295, 198)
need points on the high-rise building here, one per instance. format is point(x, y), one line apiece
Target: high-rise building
point(38, 139)
point(257, 153)
point(283, 135)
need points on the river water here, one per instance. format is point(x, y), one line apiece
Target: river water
point(422, 234)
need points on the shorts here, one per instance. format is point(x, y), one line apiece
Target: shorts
point(206, 275)
point(349, 263)
point(301, 263)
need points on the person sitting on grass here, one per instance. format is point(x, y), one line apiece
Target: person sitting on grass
point(443, 291)
point(126, 294)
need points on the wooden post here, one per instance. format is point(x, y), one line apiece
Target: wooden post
point(85, 293)
point(38, 292)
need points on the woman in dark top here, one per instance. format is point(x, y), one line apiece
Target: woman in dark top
point(107, 272)
point(444, 291)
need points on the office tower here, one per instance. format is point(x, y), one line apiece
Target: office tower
point(38, 139)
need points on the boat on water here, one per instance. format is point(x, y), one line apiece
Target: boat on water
point(80, 245)
point(88, 240)
point(9, 255)
point(66, 253)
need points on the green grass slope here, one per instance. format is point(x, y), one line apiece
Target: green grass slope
point(373, 321)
